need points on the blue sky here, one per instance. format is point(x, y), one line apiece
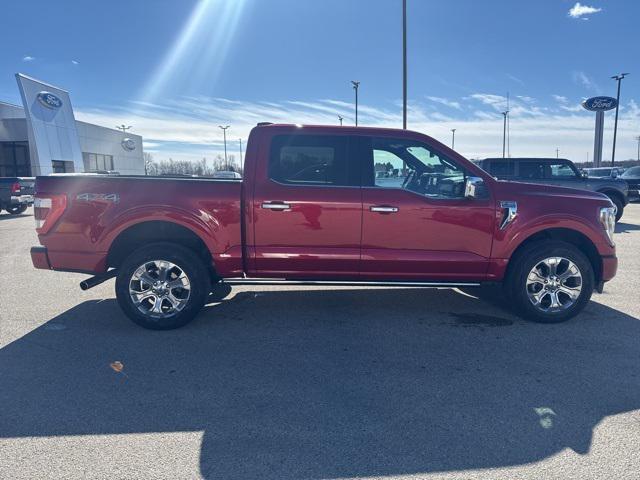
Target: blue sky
point(176, 69)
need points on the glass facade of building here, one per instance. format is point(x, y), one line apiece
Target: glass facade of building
point(14, 159)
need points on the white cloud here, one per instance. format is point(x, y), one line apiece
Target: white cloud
point(75, 62)
point(560, 98)
point(584, 80)
point(28, 58)
point(186, 128)
point(579, 10)
point(445, 102)
point(515, 79)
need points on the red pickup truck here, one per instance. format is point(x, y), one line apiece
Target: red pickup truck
point(327, 205)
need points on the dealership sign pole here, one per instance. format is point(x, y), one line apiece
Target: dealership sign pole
point(599, 105)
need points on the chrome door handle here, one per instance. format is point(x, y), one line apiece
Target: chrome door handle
point(384, 209)
point(279, 206)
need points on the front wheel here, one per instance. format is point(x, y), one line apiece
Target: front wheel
point(162, 286)
point(550, 282)
point(17, 209)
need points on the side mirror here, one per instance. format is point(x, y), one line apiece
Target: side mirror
point(474, 187)
point(584, 174)
point(614, 174)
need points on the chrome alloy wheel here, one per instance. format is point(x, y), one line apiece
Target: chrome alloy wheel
point(159, 288)
point(554, 284)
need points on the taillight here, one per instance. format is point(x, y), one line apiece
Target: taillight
point(15, 188)
point(47, 210)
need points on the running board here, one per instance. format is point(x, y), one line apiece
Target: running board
point(342, 283)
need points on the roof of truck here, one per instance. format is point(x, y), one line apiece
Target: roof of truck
point(521, 159)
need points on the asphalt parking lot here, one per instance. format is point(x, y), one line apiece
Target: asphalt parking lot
point(288, 383)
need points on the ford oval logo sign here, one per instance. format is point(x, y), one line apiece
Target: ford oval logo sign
point(600, 104)
point(49, 100)
point(128, 144)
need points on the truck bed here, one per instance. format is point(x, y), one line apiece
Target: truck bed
point(99, 208)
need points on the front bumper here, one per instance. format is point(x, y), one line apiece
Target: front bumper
point(609, 267)
point(22, 200)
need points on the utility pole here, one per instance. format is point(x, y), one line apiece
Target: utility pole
point(508, 129)
point(618, 78)
point(123, 127)
point(356, 85)
point(638, 139)
point(240, 140)
point(504, 133)
point(404, 64)
point(557, 153)
point(224, 134)
point(453, 138)
point(340, 119)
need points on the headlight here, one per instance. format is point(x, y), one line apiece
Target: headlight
point(608, 221)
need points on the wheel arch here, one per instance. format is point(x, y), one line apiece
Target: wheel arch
point(567, 235)
point(612, 192)
point(153, 231)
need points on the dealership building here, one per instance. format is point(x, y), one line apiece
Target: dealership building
point(42, 136)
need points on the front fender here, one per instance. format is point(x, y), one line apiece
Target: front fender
point(508, 240)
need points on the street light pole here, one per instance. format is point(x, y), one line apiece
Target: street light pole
point(224, 134)
point(453, 138)
point(123, 127)
point(356, 85)
point(638, 138)
point(240, 140)
point(504, 132)
point(618, 78)
point(340, 119)
point(557, 153)
point(404, 64)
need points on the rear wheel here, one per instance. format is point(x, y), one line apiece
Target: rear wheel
point(550, 282)
point(17, 209)
point(162, 286)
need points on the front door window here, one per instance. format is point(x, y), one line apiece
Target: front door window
point(415, 167)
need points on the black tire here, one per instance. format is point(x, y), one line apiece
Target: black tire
point(619, 206)
point(530, 256)
point(187, 261)
point(17, 209)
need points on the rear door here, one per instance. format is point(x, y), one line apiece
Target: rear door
point(307, 208)
point(417, 224)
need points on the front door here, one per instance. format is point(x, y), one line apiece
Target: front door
point(417, 223)
point(307, 209)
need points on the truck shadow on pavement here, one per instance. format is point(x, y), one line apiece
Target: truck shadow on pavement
point(315, 383)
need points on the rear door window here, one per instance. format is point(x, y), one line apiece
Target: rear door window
point(312, 160)
point(531, 170)
point(502, 169)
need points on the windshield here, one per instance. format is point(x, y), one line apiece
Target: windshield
point(632, 172)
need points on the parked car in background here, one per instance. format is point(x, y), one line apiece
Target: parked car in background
point(603, 172)
point(226, 174)
point(16, 194)
point(557, 172)
point(632, 177)
point(310, 210)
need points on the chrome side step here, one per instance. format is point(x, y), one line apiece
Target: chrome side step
point(344, 283)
